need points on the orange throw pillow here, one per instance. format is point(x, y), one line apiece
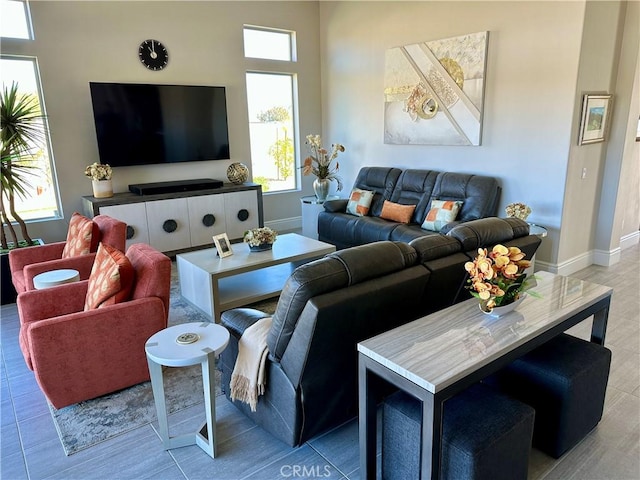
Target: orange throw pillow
point(111, 278)
point(397, 212)
point(79, 236)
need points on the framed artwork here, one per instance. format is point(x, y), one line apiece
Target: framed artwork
point(434, 91)
point(223, 245)
point(595, 118)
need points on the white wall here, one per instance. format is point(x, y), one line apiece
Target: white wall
point(533, 54)
point(79, 42)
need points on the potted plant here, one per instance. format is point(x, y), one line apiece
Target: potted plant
point(22, 130)
point(319, 163)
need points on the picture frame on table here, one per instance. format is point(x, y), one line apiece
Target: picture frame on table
point(594, 122)
point(223, 245)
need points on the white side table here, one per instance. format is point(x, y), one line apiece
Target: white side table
point(54, 278)
point(311, 207)
point(181, 346)
point(540, 232)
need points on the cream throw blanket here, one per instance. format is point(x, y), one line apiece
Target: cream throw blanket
point(247, 379)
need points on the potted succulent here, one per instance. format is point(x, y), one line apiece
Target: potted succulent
point(22, 130)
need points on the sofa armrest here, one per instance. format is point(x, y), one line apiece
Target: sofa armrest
point(37, 305)
point(336, 206)
point(446, 228)
point(82, 263)
point(20, 257)
point(238, 320)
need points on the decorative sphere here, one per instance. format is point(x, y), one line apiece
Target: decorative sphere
point(237, 173)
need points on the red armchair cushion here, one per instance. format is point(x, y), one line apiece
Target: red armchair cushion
point(79, 236)
point(111, 278)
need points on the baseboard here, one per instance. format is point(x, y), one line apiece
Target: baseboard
point(568, 267)
point(630, 240)
point(285, 224)
point(606, 258)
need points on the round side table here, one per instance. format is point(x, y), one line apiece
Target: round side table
point(181, 346)
point(311, 207)
point(53, 278)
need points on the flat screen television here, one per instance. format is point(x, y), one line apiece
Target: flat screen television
point(141, 124)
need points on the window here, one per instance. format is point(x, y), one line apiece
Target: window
point(41, 200)
point(271, 100)
point(269, 44)
point(15, 21)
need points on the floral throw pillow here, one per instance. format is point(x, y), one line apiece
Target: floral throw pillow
point(397, 212)
point(79, 236)
point(111, 278)
point(359, 202)
point(441, 213)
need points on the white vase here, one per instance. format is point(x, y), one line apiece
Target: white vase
point(321, 188)
point(500, 311)
point(102, 188)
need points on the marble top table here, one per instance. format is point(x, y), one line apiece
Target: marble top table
point(437, 356)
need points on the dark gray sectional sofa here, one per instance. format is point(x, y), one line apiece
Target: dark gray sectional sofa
point(480, 196)
point(329, 305)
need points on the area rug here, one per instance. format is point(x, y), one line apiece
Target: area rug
point(88, 423)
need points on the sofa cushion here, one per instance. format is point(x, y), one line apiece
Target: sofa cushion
point(414, 187)
point(441, 213)
point(397, 212)
point(480, 194)
point(381, 180)
point(431, 247)
point(333, 272)
point(486, 232)
point(110, 280)
point(80, 234)
point(359, 202)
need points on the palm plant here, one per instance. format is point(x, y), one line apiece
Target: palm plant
point(22, 129)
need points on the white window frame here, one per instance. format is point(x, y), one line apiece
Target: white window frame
point(57, 213)
point(279, 70)
point(27, 19)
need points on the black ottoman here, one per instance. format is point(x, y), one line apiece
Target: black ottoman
point(486, 435)
point(565, 380)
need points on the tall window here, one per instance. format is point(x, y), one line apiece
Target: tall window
point(271, 99)
point(40, 202)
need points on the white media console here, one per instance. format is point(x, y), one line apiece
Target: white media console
point(179, 221)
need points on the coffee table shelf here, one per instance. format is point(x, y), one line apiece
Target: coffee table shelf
point(213, 284)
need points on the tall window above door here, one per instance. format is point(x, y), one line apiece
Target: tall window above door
point(272, 108)
point(15, 21)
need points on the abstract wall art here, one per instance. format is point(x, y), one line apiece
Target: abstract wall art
point(434, 91)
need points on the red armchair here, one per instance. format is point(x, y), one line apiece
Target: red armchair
point(77, 355)
point(26, 263)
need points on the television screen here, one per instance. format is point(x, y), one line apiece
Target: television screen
point(139, 124)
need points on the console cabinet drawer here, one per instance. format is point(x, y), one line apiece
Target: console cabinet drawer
point(135, 216)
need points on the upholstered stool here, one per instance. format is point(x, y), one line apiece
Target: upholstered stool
point(486, 435)
point(565, 381)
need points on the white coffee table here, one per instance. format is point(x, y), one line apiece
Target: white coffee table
point(53, 278)
point(181, 346)
point(213, 284)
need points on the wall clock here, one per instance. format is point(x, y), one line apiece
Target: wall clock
point(153, 55)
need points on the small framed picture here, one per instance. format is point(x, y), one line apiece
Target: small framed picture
point(595, 118)
point(223, 245)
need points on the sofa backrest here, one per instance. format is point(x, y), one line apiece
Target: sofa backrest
point(332, 272)
point(113, 232)
point(415, 187)
point(479, 194)
point(380, 180)
point(487, 232)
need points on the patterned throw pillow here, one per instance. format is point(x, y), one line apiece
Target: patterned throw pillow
point(111, 278)
point(79, 235)
point(397, 212)
point(359, 202)
point(441, 213)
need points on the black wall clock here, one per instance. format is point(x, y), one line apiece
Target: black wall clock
point(153, 55)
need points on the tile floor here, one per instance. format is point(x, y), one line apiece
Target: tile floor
point(30, 448)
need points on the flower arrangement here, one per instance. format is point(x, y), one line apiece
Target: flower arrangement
point(259, 236)
point(99, 171)
point(319, 162)
point(518, 210)
point(497, 278)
